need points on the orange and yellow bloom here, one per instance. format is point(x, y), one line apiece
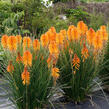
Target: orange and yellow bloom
point(59, 39)
point(85, 52)
point(53, 48)
point(4, 41)
point(82, 27)
point(75, 34)
point(10, 67)
point(69, 32)
point(26, 42)
point(12, 43)
point(19, 39)
point(25, 77)
point(36, 45)
point(104, 33)
point(76, 62)
point(90, 36)
point(44, 40)
point(64, 33)
point(27, 58)
point(55, 74)
point(98, 42)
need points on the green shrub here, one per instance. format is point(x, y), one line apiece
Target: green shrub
point(5, 11)
point(99, 18)
point(10, 25)
point(75, 15)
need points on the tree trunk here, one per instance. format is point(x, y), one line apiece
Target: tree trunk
point(74, 3)
point(12, 1)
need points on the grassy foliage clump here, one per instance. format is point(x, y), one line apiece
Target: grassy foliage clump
point(30, 80)
point(79, 62)
point(104, 70)
point(34, 66)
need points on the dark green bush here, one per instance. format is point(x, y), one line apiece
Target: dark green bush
point(75, 15)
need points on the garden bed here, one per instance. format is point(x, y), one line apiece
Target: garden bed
point(97, 101)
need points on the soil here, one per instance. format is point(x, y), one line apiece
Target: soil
point(98, 101)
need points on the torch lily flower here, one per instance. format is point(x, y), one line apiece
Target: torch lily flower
point(76, 62)
point(26, 42)
point(44, 40)
point(19, 39)
point(12, 43)
point(27, 58)
point(55, 74)
point(36, 45)
point(90, 36)
point(4, 42)
point(25, 77)
point(10, 67)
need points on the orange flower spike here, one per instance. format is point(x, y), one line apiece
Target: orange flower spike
point(55, 74)
point(44, 40)
point(82, 27)
point(76, 62)
point(49, 60)
point(98, 42)
point(64, 33)
point(103, 27)
point(4, 41)
point(52, 29)
point(19, 58)
point(19, 39)
point(69, 32)
point(26, 42)
point(12, 43)
point(85, 53)
point(75, 34)
point(27, 58)
point(59, 39)
point(104, 33)
point(90, 36)
point(53, 48)
point(51, 36)
point(25, 77)
point(10, 67)
point(36, 45)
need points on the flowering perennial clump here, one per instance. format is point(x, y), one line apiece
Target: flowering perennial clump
point(72, 50)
